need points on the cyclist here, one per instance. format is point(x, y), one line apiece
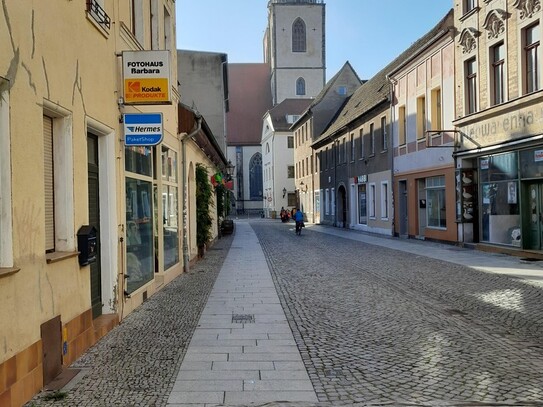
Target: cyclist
point(299, 218)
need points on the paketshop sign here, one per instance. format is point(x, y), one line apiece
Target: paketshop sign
point(146, 77)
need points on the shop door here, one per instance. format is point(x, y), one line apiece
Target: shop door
point(533, 200)
point(94, 220)
point(402, 186)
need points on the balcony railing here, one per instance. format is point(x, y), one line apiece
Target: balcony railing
point(99, 14)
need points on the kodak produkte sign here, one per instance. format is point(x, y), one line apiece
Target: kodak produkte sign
point(146, 76)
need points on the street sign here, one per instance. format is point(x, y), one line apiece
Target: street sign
point(142, 129)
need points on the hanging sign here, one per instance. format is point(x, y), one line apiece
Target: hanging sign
point(142, 129)
point(146, 77)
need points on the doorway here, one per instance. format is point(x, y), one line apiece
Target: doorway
point(402, 187)
point(94, 220)
point(533, 225)
point(342, 207)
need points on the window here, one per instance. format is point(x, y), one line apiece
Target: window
point(531, 54)
point(498, 62)
point(298, 36)
point(342, 90)
point(300, 86)
point(267, 148)
point(58, 173)
point(436, 110)
point(353, 147)
point(255, 177)
point(154, 25)
point(167, 30)
point(435, 202)
point(290, 142)
point(401, 126)
point(372, 201)
point(333, 202)
point(137, 20)
point(361, 136)
point(384, 200)
point(139, 215)
point(290, 171)
point(327, 202)
point(469, 5)
point(170, 204)
point(384, 141)
point(372, 140)
point(362, 205)
point(95, 8)
point(421, 117)
point(6, 233)
point(471, 85)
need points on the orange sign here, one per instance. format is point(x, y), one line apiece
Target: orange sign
point(150, 90)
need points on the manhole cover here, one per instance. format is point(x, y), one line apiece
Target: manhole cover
point(243, 318)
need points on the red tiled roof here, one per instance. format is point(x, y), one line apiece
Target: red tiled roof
point(249, 92)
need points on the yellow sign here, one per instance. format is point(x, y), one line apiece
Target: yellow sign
point(146, 76)
point(151, 90)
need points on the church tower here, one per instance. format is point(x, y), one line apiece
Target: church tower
point(294, 48)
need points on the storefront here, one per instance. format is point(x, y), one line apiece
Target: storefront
point(509, 210)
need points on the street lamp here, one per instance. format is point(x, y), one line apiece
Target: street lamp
point(230, 169)
point(284, 192)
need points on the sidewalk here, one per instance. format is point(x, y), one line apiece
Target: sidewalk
point(512, 266)
point(243, 350)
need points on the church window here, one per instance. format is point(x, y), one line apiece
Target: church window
point(300, 86)
point(255, 176)
point(298, 36)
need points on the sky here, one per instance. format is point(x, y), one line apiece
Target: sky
point(367, 33)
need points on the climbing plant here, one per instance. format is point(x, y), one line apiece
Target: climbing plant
point(204, 202)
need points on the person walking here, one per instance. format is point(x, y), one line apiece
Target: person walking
point(299, 218)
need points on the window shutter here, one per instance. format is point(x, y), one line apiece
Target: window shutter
point(49, 184)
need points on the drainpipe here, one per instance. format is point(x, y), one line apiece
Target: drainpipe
point(185, 137)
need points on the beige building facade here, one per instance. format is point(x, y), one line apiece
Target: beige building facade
point(499, 122)
point(91, 219)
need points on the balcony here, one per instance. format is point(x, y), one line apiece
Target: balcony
point(98, 14)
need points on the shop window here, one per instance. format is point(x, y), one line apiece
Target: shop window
point(436, 210)
point(371, 208)
point(384, 200)
point(500, 215)
point(170, 205)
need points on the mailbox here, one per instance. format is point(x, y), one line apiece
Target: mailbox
point(87, 244)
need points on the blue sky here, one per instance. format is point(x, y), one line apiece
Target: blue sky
point(367, 33)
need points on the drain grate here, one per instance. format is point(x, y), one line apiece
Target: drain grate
point(243, 318)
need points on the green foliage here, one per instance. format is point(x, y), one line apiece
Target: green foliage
point(204, 201)
point(221, 200)
point(55, 396)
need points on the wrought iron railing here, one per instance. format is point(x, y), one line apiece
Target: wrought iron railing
point(99, 14)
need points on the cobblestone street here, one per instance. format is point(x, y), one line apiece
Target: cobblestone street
point(374, 326)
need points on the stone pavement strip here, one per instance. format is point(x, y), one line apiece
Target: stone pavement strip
point(242, 350)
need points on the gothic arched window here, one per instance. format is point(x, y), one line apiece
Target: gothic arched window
point(255, 176)
point(300, 86)
point(298, 36)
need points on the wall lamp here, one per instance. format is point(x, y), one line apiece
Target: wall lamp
point(284, 192)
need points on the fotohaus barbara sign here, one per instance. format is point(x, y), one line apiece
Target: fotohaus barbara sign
point(146, 76)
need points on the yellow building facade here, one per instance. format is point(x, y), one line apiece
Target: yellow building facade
point(89, 226)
